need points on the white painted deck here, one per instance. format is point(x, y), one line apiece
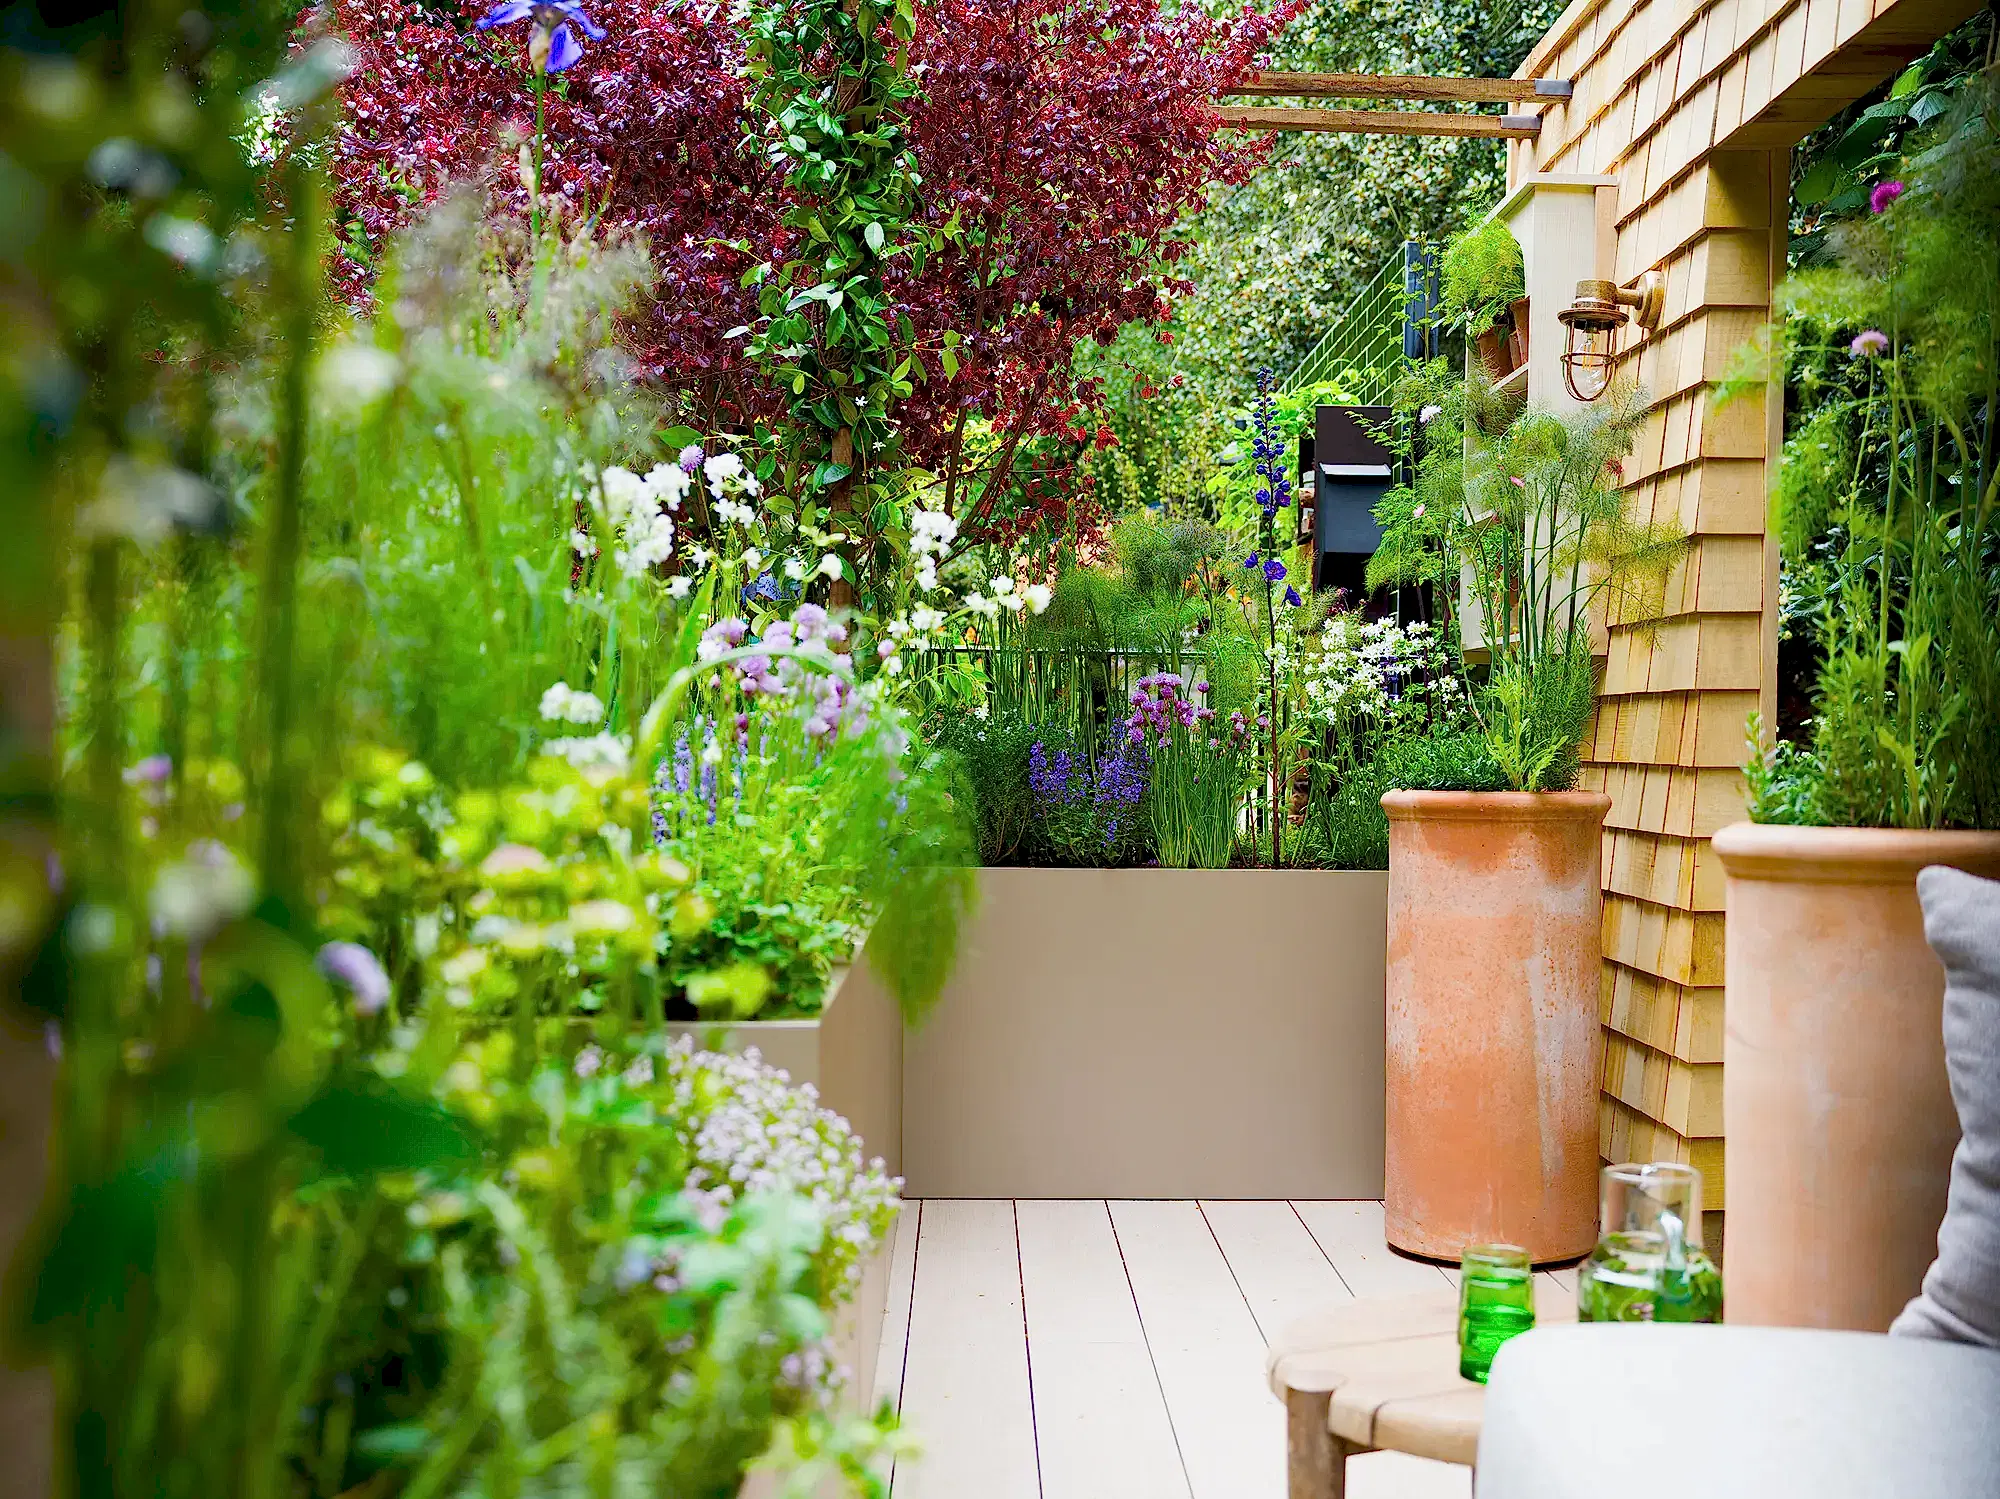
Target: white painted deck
point(1115, 1350)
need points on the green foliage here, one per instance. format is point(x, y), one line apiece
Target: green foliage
point(1888, 503)
point(1536, 712)
point(1444, 761)
point(1482, 274)
point(1835, 169)
point(834, 80)
point(1537, 514)
point(1274, 261)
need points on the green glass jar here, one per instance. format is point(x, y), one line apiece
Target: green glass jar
point(1649, 1265)
point(1496, 1301)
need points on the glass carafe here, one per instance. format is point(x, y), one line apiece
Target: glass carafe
point(1649, 1264)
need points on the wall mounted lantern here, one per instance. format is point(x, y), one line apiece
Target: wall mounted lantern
point(1593, 321)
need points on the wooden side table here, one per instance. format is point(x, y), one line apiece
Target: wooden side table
point(1378, 1375)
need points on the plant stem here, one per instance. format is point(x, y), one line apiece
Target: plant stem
point(535, 187)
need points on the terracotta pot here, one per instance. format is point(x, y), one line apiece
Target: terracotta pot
point(1838, 1116)
point(1517, 311)
point(1494, 354)
point(1493, 974)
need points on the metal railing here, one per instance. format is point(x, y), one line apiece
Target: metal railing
point(1367, 347)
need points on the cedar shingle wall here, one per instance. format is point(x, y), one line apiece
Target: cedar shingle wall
point(1694, 107)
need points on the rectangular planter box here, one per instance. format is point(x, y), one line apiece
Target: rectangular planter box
point(1156, 1033)
point(852, 1052)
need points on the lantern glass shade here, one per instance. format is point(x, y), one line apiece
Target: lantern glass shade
point(1591, 345)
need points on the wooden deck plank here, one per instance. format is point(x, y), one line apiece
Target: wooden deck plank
point(1207, 1350)
point(966, 1397)
point(1351, 1235)
point(1281, 1269)
point(896, 1314)
point(1101, 1424)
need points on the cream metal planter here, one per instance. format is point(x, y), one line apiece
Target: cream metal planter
point(852, 1053)
point(1839, 1115)
point(1155, 1033)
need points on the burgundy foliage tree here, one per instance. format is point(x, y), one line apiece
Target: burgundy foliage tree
point(647, 130)
point(1069, 137)
point(1065, 138)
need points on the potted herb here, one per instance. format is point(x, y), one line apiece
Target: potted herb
point(1484, 280)
point(1833, 1060)
point(1494, 879)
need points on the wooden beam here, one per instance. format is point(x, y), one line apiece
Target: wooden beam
point(1380, 122)
point(1399, 86)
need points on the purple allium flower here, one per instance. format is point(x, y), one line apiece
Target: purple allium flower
point(355, 968)
point(1274, 571)
point(1868, 343)
point(1884, 194)
point(691, 457)
point(552, 19)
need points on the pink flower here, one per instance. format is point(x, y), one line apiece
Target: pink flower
point(1885, 193)
point(1868, 343)
point(1418, 513)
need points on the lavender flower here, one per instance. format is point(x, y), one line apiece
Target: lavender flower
point(683, 763)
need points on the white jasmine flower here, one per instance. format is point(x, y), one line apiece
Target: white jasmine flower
point(679, 587)
point(829, 566)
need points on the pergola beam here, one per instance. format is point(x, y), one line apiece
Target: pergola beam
point(1380, 122)
point(1399, 86)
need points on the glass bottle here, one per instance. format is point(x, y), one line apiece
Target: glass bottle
point(1649, 1264)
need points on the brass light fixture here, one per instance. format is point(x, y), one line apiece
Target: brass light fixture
point(1593, 321)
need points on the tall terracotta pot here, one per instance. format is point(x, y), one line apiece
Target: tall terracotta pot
point(1493, 975)
point(1837, 1116)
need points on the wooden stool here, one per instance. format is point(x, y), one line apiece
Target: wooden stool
point(1379, 1375)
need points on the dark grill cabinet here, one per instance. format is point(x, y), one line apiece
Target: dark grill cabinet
point(1354, 470)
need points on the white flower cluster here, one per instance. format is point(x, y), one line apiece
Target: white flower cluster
point(730, 486)
point(564, 704)
point(1010, 597)
point(746, 1128)
point(607, 754)
point(1380, 669)
point(931, 534)
point(637, 510)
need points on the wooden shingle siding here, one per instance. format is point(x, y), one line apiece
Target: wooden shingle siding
point(1693, 106)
